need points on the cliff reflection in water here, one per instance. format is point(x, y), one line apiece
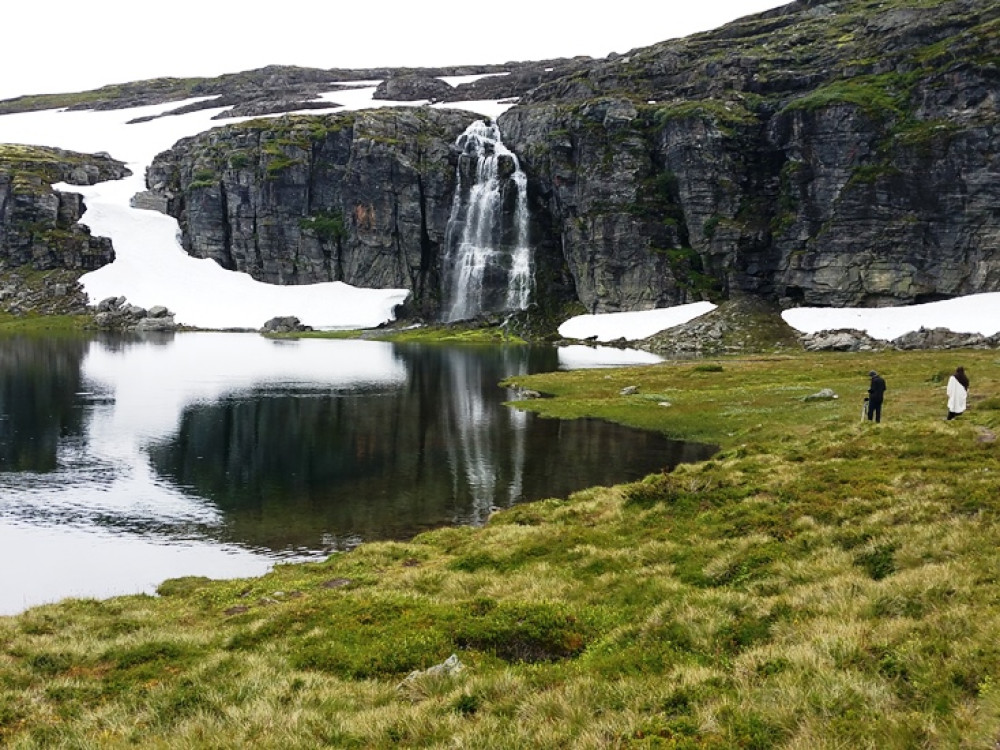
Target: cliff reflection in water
point(39, 400)
point(308, 468)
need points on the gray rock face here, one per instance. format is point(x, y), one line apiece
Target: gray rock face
point(412, 88)
point(361, 197)
point(284, 324)
point(38, 225)
point(788, 170)
point(842, 340)
point(942, 338)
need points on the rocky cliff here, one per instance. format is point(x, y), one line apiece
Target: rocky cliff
point(38, 225)
point(361, 197)
point(358, 197)
point(39, 229)
point(837, 153)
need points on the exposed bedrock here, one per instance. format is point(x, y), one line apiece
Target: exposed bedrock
point(39, 226)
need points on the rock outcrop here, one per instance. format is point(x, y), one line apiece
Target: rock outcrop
point(43, 247)
point(38, 225)
point(362, 197)
point(117, 314)
point(410, 88)
point(284, 324)
point(743, 324)
point(283, 88)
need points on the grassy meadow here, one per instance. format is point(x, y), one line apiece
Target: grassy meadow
point(822, 582)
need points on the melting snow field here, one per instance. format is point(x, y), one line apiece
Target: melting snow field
point(152, 269)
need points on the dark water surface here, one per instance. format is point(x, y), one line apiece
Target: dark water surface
point(123, 463)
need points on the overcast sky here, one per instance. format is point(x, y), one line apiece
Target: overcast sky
point(74, 45)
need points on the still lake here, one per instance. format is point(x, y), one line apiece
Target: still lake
point(124, 462)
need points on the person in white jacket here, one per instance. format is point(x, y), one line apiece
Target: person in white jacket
point(958, 391)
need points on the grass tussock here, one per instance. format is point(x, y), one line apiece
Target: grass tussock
point(820, 583)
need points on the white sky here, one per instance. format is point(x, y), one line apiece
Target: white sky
point(73, 45)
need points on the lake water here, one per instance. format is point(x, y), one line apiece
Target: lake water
point(127, 462)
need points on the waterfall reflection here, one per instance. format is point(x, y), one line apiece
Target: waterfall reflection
point(286, 468)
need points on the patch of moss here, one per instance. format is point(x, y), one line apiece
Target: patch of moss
point(880, 97)
point(328, 226)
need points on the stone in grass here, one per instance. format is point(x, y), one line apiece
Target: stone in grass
point(824, 395)
point(448, 668)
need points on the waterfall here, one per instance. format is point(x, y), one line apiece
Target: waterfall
point(488, 265)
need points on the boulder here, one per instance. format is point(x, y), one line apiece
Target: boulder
point(413, 88)
point(117, 314)
point(842, 340)
point(826, 394)
point(284, 324)
point(942, 338)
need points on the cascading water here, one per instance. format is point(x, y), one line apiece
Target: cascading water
point(487, 261)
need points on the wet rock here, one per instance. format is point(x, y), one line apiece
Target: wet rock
point(527, 393)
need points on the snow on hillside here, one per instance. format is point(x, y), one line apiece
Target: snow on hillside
point(975, 313)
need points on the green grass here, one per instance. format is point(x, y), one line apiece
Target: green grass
point(45, 324)
point(429, 334)
point(820, 583)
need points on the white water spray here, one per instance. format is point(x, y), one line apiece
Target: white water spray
point(488, 261)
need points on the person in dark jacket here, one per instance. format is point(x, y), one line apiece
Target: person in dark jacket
point(876, 392)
